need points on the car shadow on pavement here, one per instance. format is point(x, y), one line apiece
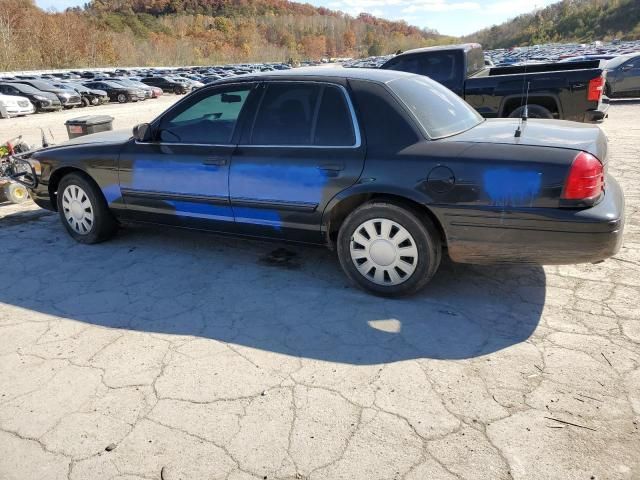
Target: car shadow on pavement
point(292, 300)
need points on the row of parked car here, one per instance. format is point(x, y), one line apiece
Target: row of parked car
point(29, 93)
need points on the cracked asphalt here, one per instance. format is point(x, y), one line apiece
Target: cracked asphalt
point(168, 355)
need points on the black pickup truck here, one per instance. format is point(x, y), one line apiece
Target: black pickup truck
point(569, 91)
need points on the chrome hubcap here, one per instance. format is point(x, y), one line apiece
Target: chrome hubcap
point(77, 209)
point(384, 252)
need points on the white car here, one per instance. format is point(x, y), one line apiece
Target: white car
point(15, 106)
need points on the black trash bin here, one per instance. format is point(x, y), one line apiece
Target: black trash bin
point(77, 127)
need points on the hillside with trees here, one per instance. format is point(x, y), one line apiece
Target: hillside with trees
point(566, 21)
point(192, 32)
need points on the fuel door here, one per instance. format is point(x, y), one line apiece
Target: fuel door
point(440, 180)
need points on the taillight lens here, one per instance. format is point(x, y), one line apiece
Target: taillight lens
point(596, 87)
point(585, 180)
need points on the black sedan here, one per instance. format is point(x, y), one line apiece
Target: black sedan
point(623, 76)
point(391, 169)
point(117, 92)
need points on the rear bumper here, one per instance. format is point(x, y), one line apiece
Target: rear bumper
point(597, 115)
point(541, 236)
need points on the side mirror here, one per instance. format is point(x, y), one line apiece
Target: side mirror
point(141, 132)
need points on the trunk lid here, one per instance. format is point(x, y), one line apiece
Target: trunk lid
point(540, 133)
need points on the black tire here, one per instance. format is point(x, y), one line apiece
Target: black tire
point(607, 90)
point(16, 193)
point(103, 226)
point(122, 98)
point(419, 226)
point(178, 90)
point(534, 111)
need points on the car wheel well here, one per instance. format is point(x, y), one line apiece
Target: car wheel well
point(546, 102)
point(340, 212)
point(58, 175)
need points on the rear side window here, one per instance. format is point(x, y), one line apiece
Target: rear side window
point(334, 126)
point(443, 67)
point(286, 115)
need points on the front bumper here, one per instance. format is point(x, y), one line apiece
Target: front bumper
point(544, 236)
point(16, 111)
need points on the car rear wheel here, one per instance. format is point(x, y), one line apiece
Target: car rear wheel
point(122, 98)
point(388, 249)
point(84, 211)
point(177, 90)
point(533, 111)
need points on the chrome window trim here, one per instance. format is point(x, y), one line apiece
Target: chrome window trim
point(354, 123)
point(354, 120)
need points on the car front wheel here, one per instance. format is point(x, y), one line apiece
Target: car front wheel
point(122, 98)
point(388, 249)
point(83, 210)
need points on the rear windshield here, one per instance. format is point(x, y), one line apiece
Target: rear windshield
point(439, 111)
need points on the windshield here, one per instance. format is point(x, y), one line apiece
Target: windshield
point(113, 84)
point(439, 111)
point(616, 62)
point(24, 88)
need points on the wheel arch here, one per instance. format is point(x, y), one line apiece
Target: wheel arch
point(343, 204)
point(548, 101)
point(56, 177)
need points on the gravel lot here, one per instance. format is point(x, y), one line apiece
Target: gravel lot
point(179, 355)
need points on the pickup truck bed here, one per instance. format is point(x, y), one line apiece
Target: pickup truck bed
point(570, 91)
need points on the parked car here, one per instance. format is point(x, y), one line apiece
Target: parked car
point(623, 76)
point(90, 96)
point(15, 106)
point(387, 167)
point(166, 84)
point(42, 101)
point(570, 91)
point(148, 91)
point(67, 99)
point(117, 92)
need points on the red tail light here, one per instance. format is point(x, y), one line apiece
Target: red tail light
point(596, 87)
point(585, 180)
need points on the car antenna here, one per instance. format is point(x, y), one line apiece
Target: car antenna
point(525, 112)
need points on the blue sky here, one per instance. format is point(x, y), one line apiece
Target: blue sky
point(452, 17)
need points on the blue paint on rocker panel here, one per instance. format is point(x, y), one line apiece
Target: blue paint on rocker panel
point(201, 210)
point(295, 184)
point(512, 188)
point(258, 216)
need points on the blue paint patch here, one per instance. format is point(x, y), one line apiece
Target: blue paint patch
point(513, 188)
point(258, 216)
point(164, 175)
point(200, 210)
point(111, 193)
point(278, 182)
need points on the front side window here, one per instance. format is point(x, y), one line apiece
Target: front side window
point(439, 111)
point(211, 120)
point(301, 114)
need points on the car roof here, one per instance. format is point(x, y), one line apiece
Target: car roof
point(305, 73)
point(462, 46)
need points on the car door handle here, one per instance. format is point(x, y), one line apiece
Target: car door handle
point(215, 162)
point(331, 167)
